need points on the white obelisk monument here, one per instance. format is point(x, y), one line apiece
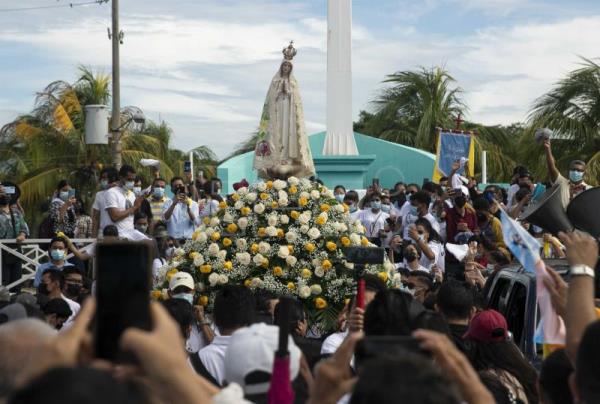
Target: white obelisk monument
point(340, 134)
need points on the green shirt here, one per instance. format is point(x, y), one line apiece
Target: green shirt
point(6, 224)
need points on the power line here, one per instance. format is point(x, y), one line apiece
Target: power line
point(70, 5)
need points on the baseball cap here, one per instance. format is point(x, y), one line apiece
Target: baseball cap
point(487, 326)
point(181, 279)
point(252, 349)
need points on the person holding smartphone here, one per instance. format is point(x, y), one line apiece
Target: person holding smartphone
point(181, 214)
point(122, 204)
point(62, 209)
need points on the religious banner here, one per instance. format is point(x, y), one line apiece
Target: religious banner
point(453, 147)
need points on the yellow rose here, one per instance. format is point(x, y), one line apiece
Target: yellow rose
point(193, 254)
point(245, 211)
point(188, 201)
point(310, 247)
point(331, 246)
point(345, 241)
point(347, 301)
point(232, 228)
point(206, 220)
point(206, 268)
point(305, 273)
point(274, 205)
point(269, 184)
point(222, 204)
point(215, 236)
point(364, 241)
point(227, 242)
point(171, 273)
point(254, 248)
point(320, 303)
point(290, 248)
point(324, 207)
point(203, 300)
point(346, 208)
point(383, 276)
point(291, 286)
point(302, 201)
point(292, 189)
point(262, 232)
point(280, 233)
point(321, 220)
point(265, 263)
point(278, 271)
point(235, 197)
point(228, 265)
point(326, 264)
point(156, 294)
point(264, 196)
point(294, 214)
point(195, 235)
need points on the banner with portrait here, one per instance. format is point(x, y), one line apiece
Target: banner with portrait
point(450, 148)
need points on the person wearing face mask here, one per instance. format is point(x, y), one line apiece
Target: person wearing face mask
point(140, 222)
point(419, 208)
point(373, 219)
point(489, 226)
point(122, 204)
point(57, 252)
point(428, 243)
point(351, 199)
point(73, 284)
point(210, 205)
point(569, 188)
point(56, 312)
point(156, 200)
point(339, 192)
point(405, 208)
point(412, 258)
point(109, 177)
point(181, 214)
point(460, 220)
point(181, 286)
point(166, 248)
point(51, 286)
point(12, 225)
point(62, 209)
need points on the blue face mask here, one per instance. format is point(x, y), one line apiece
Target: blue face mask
point(104, 184)
point(352, 208)
point(376, 205)
point(340, 198)
point(57, 255)
point(414, 211)
point(185, 296)
point(575, 176)
point(129, 185)
point(386, 208)
point(159, 192)
point(64, 195)
point(137, 191)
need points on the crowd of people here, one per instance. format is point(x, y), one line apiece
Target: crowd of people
point(434, 340)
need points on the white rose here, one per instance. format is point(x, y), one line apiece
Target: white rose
point(324, 215)
point(241, 243)
point(355, 239)
point(327, 193)
point(283, 202)
point(261, 186)
point(244, 258)
point(304, 292)
point(283, 252)
point(198, 260)
point(282, 195)
point(259, 208)
point(304, 229)
point(209, 231)
point(238, 205)
point(223, 279)
point(227, 218)
point(179, 251)
point(284, 219)
point(388, 266)
point(349, 265)
point(339, 208)
point(319, 271)
point(314, 233)
point(291, 236)
point(271, 231)
point(242, 223)
point(213, 249)
point(264, 248)
point(214, 221)
point(222, 254)
point(175, 264)
point(272, 220)
point(304, 195)
point(279, 184)
point(200, 286)
point(316, 289)
point(316, 262)
point(258, 259)
point(251, 197)
point(202, 237)
point(293, 181)
point(291, 260)
point(304, 218)
point(213, 279)
point(305, 182)
point(314, 194)
point(256, 283)
point(242, 191)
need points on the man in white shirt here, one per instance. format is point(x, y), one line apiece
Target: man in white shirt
point(109, 177)
point(121, 204)
point(53, 282)
point(180, 213)
point(419, 207)
point(372, 217)
point(234, 308)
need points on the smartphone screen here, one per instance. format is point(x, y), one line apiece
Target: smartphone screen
point(123, 295)
point(71, 192)
point(375, 182)
point(9, 190)
point(187, 166)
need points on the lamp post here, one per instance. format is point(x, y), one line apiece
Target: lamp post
point(115, 125)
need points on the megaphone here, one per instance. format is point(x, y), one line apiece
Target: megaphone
point(583, 214)
point(548, 213)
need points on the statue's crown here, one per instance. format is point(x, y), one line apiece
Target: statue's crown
point(289, 52)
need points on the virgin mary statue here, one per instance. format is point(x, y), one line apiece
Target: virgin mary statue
point(282, 149)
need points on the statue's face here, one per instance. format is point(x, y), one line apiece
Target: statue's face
point(286, 68)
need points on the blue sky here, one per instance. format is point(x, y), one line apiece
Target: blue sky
point(204, 66)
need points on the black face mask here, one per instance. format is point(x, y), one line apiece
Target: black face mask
point(481, 217)
point(73, 290)
point(42, 289)
point(460, 201)
point(4, 200)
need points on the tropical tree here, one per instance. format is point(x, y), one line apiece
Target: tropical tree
point(572, 110)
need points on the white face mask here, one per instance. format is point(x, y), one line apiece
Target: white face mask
point(185, 296)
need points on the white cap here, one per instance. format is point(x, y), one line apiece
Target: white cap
point(253, 349)
point(181, 279)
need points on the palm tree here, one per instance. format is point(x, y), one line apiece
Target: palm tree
point(572, 110)
point(409, 111)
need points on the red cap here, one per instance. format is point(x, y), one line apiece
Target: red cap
point(487, 326)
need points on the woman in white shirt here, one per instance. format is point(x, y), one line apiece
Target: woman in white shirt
point(373, 218)
point(428, 242)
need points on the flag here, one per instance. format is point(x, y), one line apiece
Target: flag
point(452, 147)
point(526, 249)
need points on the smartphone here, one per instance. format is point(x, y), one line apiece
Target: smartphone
point(373, 347)
point(375, 182)
point(187, 166)
point(122, 295)
point(9, 190)
point(71, 192)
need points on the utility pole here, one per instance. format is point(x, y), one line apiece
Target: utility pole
point(115, 125)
